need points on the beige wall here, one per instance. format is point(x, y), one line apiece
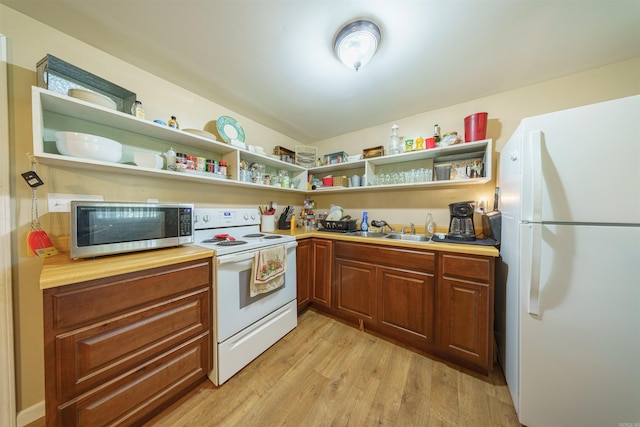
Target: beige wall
point(29, 41)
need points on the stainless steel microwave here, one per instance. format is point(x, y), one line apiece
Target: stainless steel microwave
point(104, 228)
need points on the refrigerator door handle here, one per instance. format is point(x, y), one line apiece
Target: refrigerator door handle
point(536, 142)
point(534, 280)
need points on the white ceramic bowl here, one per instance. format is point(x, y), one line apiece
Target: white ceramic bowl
point(148, 160)
point(88, 146)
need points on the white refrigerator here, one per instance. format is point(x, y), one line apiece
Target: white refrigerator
point(568, 307)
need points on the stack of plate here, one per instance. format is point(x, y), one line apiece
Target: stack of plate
point(306, 156)
point(92, 97)
point(202, 133)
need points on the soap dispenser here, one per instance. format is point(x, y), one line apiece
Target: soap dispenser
point(364, 225)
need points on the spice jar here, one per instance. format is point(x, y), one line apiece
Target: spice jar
point(191, 163)
point(181, 162)
point(136, 110)
point(211, 166)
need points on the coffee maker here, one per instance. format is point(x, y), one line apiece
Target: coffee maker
point(461, 223)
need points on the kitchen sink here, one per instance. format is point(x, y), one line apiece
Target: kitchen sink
point(410, 237)
point(367, 234)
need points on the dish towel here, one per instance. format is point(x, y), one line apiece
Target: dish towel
point(269, 266)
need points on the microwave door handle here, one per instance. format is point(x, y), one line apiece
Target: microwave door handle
point(226, 259)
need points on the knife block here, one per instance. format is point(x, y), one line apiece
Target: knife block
point(283, 224)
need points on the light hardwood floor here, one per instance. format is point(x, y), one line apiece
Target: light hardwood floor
point(326, 373)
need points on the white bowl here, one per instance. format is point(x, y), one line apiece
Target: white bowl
point(148, 160)
point(88, 146)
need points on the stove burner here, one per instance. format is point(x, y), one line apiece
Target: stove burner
point(273, 236)
point(254, 235)
point(232, 243)
point(214, 240)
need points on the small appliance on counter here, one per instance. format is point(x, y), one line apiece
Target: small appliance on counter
point(492, 221)
point(461, 222)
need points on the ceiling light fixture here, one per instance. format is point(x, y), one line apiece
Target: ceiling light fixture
point(356, 43)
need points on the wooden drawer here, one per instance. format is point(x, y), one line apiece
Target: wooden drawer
point(356, 252)
point(101, 351)
point(99, 299)
point(133, 397)
point(407, 258)
point(387, 256)
point(469, 267)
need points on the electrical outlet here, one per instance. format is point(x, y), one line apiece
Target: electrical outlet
point(481, 206)
point(60, 202)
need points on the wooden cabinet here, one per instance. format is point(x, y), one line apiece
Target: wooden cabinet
point(466, 309)
point(304, 270)
point(120, 348)
point(321, 285)
point(407, 305)
point(390, 289)
point(438, 302)
point(355, 289)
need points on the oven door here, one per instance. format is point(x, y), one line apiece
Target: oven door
point(235, 308)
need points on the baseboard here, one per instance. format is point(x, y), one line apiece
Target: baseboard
point(29, 415)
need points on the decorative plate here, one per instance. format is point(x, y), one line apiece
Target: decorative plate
point(229, 129)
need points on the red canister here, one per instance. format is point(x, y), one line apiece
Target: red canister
point(475, 127)
point(191, 163)
point(327, 181)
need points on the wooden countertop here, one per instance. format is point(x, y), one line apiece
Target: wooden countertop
point(301, 233)
point(61, 270)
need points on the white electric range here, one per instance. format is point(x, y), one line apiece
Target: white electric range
point(244, 326)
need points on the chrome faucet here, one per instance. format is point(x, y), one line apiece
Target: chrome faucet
point(382, 224)
point(412, 228)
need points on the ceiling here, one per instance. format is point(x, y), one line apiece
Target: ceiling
point(272, 61)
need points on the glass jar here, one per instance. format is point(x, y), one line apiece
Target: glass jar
point(181, 162)
point(136, 110)
point(395, 146)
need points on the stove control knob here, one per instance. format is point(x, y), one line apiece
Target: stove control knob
point(253, 216)
point(246, 217)
point(206, 218)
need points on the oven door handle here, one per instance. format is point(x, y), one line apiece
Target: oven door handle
point(225, 259)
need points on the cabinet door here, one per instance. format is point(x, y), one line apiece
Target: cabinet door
point(465, 320)
point(406, 305)
point(303, 273)
point(322, 254)
point(356, 289)
point(466, 308)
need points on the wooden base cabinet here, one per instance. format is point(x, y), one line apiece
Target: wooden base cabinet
point(407, 305)
point(466, 309)
point(390, 290)
point(304, 273)
point(355, 288)
point(321, 285)
point(118, 349)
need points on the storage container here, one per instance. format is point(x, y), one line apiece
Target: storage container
point(335, 158)
point(59, 76)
